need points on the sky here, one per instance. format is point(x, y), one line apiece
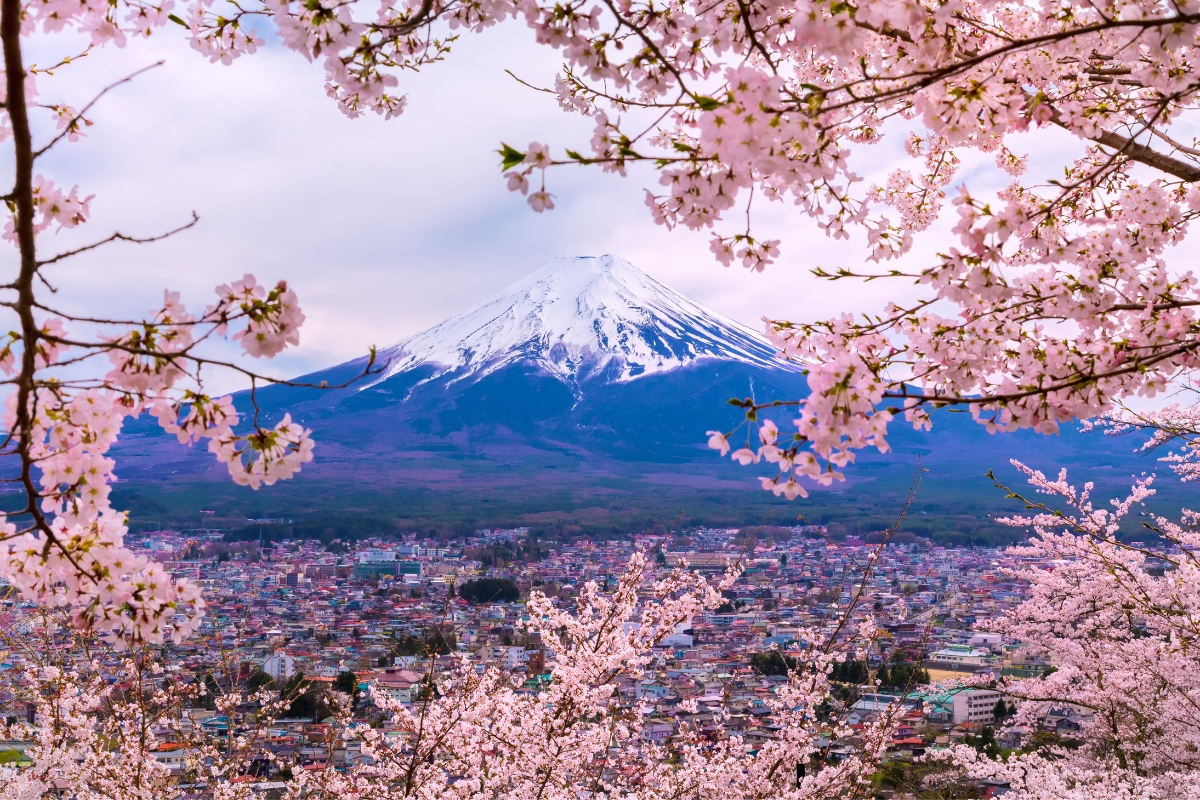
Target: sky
point(387, 227)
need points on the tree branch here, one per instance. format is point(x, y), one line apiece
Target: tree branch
point(120, 237)
point(67, 128)
point(1143, 154)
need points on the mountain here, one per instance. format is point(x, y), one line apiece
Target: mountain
point(582, 391)
point(579, 320)
point(589, 356)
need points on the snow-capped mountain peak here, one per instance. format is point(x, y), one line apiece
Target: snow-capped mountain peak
point(581, 318)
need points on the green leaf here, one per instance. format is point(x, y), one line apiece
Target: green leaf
point(511, 156)
point(574, 155)
point(176, 20)
point(707, 103)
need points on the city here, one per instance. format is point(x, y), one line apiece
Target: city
point(375, 619)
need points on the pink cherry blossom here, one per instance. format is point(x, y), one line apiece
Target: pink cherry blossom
point(1119, 635)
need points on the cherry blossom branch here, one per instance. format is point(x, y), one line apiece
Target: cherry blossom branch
point(69, 125)
point(1143, 154)
point(116, 237)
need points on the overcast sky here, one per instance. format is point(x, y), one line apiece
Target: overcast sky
point(385, 227)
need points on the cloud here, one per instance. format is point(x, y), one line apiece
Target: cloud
point(386, 227)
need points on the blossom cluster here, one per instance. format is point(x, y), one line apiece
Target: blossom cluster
point(1174, 428)
point(77, 558)
point(273, 318)
point(66, 548)
point(53, 206)
point(1119, 622)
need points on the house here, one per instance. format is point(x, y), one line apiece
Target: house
point(657, 730)
point(652, 691)
point(395, 683)
point(173, 756)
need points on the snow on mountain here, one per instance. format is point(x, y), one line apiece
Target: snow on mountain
point(580, 318)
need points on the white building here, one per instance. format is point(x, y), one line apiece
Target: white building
point(870, 705)
point(280, 667)
point(961, 655)
point(516, 657)
point(990, 640)
point(976, 705)
point(172, 756)
point(396, 683)
point(880, 702)
point(682, 637)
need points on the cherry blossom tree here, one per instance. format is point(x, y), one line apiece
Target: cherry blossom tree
point(73, 379)
point(1120, 624)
